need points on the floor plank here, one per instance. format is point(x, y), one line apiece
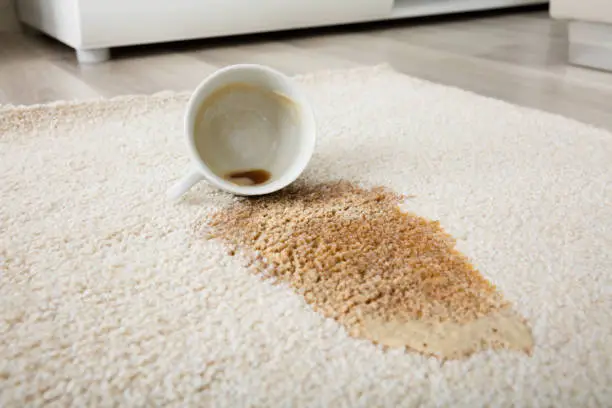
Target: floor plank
point(141, 74)
point(28, 76)
point(279, 55)
point(517, 56)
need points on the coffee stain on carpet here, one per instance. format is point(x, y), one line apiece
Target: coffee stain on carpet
point(388, 276)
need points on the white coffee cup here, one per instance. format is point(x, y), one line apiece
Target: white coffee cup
point(243, 118)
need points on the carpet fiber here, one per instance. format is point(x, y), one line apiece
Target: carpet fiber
point(108, 296)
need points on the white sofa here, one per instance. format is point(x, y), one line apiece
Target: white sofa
point(589, 30)
point(91, 27)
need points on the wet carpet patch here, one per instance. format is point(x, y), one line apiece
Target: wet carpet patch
point(391, 277)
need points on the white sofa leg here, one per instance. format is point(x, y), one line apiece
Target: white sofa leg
point(93, 56)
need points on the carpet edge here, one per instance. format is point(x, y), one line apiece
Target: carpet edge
point(180, 93)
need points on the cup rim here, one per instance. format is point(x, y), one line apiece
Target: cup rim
point(294, 171)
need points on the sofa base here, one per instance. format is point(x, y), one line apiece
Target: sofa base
point(93, 26)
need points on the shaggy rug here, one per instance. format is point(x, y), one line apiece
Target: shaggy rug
point(110, 295)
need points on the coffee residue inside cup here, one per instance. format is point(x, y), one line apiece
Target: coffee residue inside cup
point(388, 276)
point(249, 177)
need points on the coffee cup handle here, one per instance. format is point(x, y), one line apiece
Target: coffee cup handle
point(183, 185)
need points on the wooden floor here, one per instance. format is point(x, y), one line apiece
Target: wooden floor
point(517, 56)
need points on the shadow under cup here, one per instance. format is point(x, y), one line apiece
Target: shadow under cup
point(254, 123)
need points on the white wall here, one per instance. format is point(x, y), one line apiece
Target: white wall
point(8, 20)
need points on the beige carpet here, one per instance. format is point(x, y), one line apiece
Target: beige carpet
point(109, 297)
